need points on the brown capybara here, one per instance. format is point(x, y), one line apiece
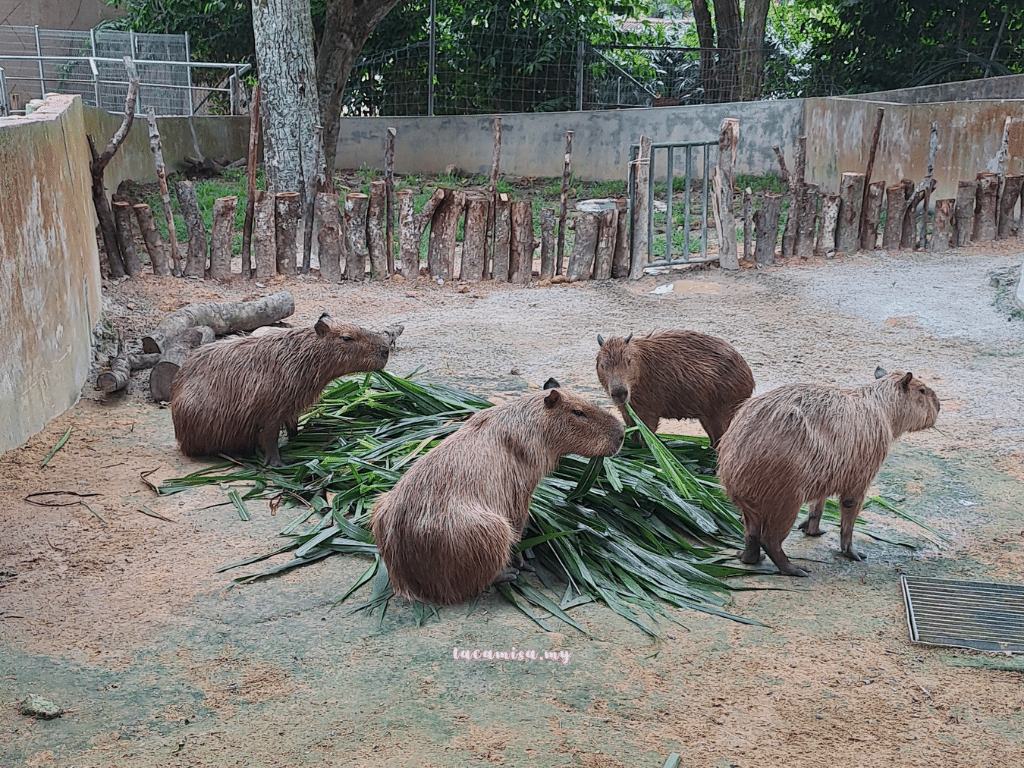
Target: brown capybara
point(675, 375)
point(233, 396)
point(806, 442)
point(447, 529)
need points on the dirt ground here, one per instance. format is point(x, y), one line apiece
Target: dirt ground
point(122, 619)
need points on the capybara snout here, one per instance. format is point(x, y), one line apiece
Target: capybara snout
point(675, 375)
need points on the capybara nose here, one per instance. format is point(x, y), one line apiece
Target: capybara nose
point(619, 395)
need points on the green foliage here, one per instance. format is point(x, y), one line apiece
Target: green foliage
point(770, 182)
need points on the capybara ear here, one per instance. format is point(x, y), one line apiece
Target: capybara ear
point(905, 381)
point(628, 338)
point(879, 372)
point(600, 340)
point(321, 327)
point(551, 383)
point(552, 398)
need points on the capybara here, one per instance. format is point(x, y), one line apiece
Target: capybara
point(675, 375)
point(233, 396)
point(805, 442)
point(447, 528)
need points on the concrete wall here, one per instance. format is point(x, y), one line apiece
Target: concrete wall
point(56, 14)
point(970, 134)
point(534, 144)
point(1009, 87)
point(49, 267)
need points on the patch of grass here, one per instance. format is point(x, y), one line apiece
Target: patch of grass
point(770, 182)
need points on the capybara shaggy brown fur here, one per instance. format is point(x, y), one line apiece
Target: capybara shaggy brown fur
point(675, 375)
point(805, 442)
point(447, 528)
point(233, 396)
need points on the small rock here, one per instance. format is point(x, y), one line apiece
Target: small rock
point(36, 706)
point(559, 279)
point(514, 372)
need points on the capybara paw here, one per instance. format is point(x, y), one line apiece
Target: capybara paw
point(853, 555)
point(749, 559)
point(509, 574)
point(793, 570)
point(810, 527)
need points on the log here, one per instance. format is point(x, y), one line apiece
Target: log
point(851, 193)
point(547, 243)
point(766, 220)
point(250, 183)
point(867, 240)
point(620, 261)
point(222, 237)
point(376, 237)
point(929, 183)
point(329, 237)
point(222, 317)
point(985, 208)
point(722, 179)
point(966, 192)
point(474, 241)
point(942, 225)
point(869, 217)
point(607, 227)
point(797, 191)
point(804, 246)
point(287, 211)
point(1000, 167)
point(195, 259)
point(521, 242)
point(443, 231)
point(564, 202)
point(1007, 201)
point(119, 371)
point(897, 198)
point(908, 237)
point(411, 227)
point(126, 238)
point(356, 207)
point(748, 225)
point(826, 242)
point(156, 147)
point(500, 267)
point(264, 235)
point(584, 248)
point(140, 362)
point(178, 348)
point(389, 198)
point(640, 172)
point(151, 237)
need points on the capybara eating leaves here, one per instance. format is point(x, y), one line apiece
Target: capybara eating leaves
point(447, 529)
point(806, 442)
point(675, 375)
point(233, 396)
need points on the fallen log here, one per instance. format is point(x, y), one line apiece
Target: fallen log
point(226, 317)
point(119, 373)
point(180, 347)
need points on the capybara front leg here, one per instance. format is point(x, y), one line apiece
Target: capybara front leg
point(520, 564)
point(786, 568)
point(851, 506)
point(268, 444)
point(810, 526)
point(292, 426)
point(751, 552)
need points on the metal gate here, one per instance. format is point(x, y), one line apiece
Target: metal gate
point(678, 214)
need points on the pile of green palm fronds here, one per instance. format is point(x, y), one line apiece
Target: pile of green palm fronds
point(637, 531)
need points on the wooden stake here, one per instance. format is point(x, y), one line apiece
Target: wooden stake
point(493, 208)
point(223, 230)
point(641, 173)
point(804, 246)
point(250, 178)
point(851, 192)
point(748, 195)
point(356, 206)
point(564, 205)
point(376, 235)
point(329, 237)
point(620, 261)
point(474, 243)
point(867, 241)
point(897, 198)
point(766, 220)
point(443, 229)
point(161, 175)
point(1007, 226)
point(411, 227)
point(869, 216)
point(287, 214)
point(607, 227)
point(195, 262)
point(547, 243)
point(942, 225)
point(722, 181)
point(929, 183)
point(826, 242)
point(584, 247)
point(264, 235)
point(151, 237)
point(521, 242)
point(966, 192)
point(500, 266)
point(985, 208)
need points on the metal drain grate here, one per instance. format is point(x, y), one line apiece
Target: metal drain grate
point(967, 614)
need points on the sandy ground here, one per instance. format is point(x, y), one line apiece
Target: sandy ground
point(122, 619)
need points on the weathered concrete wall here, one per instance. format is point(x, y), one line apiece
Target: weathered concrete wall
point(1009, 87)
point(970, 134)
point(49, 267)
point(56, 14)
point(534, 144)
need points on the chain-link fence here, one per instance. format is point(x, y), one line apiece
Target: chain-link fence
point(91, 64)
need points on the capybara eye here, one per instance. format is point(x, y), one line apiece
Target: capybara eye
point(578, 413)
point(347, 339)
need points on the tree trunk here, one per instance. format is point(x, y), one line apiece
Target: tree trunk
point(706, 38)
point(195, 261)
point(161, 175)
point(869, 217)
point(908, 237)
point(389, 200)
point(755, 18)
point(376, 237)
point(867, 242)
point(584, 248)
point(329, 238)
point(151, 237)
point(564, 202)
point(443, 230)
point(966, 192)
point(804, 246)
point(1007, 201)
point(264, 235)
point(607, 226)
point(286, 229)
point(356, 205)
point(178, 348)
point(223, 232)
point(826, 242)
point(985, 208)
point(851, 191)
point(729, 27)
point(942, 225)
point(222, 317)
point(897, 198)
point(547, 243)
point(797, 193)
point(411, 227)
point(620, 261)
point(250, 178)
point(640, 171)
point(502, 239)
point(474, 242)
point(766, 220)
point(126, 238)
point(521, 242)
point(722, 180)
point(292, 142)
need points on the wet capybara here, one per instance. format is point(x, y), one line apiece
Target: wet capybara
point(447, 529)
point(233, 396)
point(675, 375)
point(805, 442)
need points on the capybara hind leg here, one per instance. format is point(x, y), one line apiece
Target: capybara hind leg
point(810, 526)
point(292, 426)
point(851, 506)
point(786, 568)
point(519, 563)
point(507, 575)
point(268, 444)
point(751, 552)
